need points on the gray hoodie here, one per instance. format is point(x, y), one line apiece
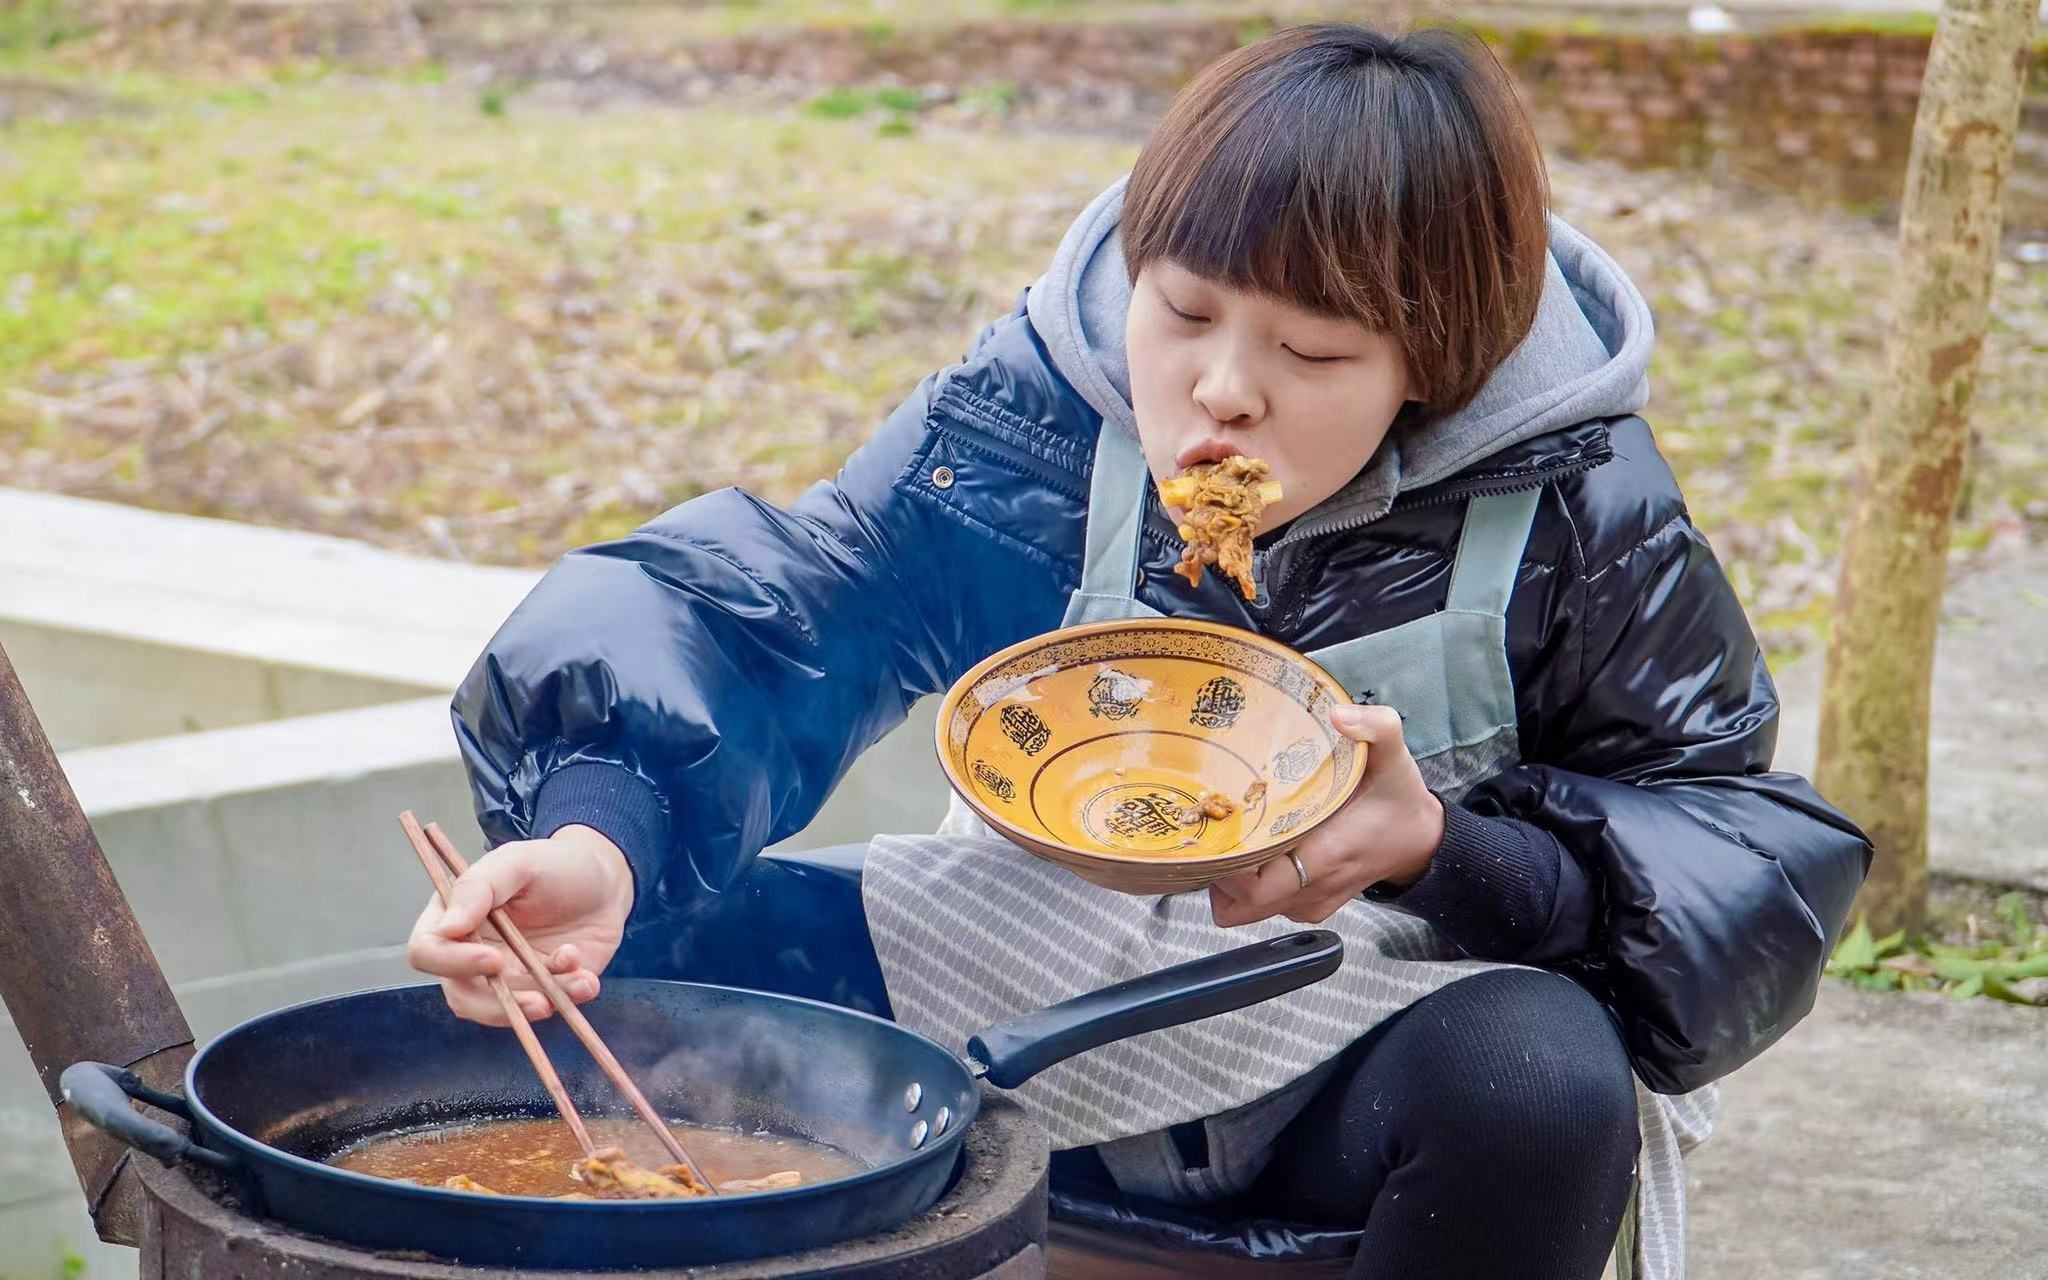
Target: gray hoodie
point(1585, 357)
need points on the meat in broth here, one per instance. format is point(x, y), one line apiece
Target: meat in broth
point(611, 1175)
point(1221, 505)
point(535, 1157)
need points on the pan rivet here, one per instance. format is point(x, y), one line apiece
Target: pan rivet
point(917, 1134)
point(912, 1096)
point(940, 1121)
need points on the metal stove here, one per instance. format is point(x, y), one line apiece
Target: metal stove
point(990, 1225)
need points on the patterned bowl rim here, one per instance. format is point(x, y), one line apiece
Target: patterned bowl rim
point(1237, 635)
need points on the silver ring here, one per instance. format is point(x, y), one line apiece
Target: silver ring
point(1300, 872)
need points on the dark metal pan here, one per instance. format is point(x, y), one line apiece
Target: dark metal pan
point(269, 1099)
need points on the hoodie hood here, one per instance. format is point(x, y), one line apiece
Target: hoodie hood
point(1586, 356)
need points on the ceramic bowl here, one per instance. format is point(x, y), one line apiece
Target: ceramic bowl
point(1094, 746)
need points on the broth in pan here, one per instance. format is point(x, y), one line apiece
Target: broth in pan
point(534, 1156)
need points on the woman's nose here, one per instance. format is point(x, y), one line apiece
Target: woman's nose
point(1228, 396)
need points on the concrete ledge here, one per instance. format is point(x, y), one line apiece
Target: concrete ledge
point(92, 690)
point(273, 843)
point(272, 596)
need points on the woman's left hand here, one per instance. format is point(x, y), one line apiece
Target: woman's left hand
point(1386, 833)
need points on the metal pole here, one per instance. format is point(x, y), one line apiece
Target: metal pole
point(76, 974)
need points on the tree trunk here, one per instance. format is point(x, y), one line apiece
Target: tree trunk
point(1913, 446)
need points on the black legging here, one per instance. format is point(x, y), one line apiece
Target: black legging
point(1487, 1132)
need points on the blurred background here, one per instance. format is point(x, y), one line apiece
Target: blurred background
point(419, 295)
point(490, 280)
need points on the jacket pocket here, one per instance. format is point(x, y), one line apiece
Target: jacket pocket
point(1015, 483)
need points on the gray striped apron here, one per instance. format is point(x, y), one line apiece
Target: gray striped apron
point(969, 929)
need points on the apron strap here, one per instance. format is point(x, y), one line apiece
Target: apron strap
point(1490, 551)
point(1116, 514)
point(1447, 672)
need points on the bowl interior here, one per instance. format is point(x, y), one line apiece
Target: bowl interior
point(1102, 740)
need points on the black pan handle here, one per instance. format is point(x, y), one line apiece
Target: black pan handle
point(1013, 1051)
point(101, 1094)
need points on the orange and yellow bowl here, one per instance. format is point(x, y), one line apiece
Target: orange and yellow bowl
point(1095, 746)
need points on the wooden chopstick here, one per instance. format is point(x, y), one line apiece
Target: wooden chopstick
point(514, 1015)
point(537, 965)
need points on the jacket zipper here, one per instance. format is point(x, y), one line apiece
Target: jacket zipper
point(1482, 489)
point(1453, 492)
point(1477, 488)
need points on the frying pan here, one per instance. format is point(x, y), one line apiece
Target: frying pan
point(267, 1100)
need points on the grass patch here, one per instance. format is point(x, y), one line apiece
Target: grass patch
point(997, 97)
point(901, 106)
point(31, 26)
point(226, 207)
point(495, 98)
point(840, 104)
point(1881, 24)
point(621, 307)
point(639, 302)
point(2000, 954)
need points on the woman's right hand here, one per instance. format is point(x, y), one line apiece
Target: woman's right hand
point(569, 894)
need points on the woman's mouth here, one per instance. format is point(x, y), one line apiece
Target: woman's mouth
point(1205, 451)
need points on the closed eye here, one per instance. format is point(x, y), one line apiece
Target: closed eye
point(1191, 319)
point(1302, 355)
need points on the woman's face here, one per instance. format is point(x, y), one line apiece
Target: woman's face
point(1216, 372)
